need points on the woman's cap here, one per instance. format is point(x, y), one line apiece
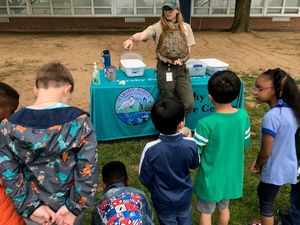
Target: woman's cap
point(173, 4)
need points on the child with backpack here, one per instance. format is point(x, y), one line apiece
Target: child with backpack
point(9, 101)
point(173, 39)
point(120, 203)
point(277, 160)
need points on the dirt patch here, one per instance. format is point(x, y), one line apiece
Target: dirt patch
point(22, 54)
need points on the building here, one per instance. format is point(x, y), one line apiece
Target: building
point(94, 15)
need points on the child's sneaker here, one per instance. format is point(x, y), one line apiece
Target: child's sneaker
point(281, 214)
point(254, 222)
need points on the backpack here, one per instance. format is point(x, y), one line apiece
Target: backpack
point(172, 45)
point(122, 209)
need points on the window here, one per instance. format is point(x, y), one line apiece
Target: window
point(274, 6)
point(102, 7)
point(138, 8)
point(283, 7)
point(3, 8)
point(292, 7)
point(82, 7)
point(214, 7)
point(125, 7)
point(145, 7)
point(61, 7)
point(158, 7)
point(41, 7)
point(17, 7)
point(257, 6)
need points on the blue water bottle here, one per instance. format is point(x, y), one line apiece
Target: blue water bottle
point(106, 58)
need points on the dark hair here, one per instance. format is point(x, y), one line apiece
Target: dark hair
point(113, 172)
point(54, 73)
point(285, 88)
point(224, 86)
point(8, 96)
point(166, 114)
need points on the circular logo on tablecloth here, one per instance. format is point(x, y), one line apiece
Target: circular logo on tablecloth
point(133, 105)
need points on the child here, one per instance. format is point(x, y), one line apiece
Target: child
point(292, 217)
point(120, 203)
point(49, 165)
point(9, 101)
point(173, 39)
point(221, 138)
point(276, 161)
point(165, 164)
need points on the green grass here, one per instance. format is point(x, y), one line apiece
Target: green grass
point(242, 210)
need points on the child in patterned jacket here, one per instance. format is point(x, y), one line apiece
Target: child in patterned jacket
point(51, 150)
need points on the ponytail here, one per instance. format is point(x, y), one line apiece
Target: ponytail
point(286, 89)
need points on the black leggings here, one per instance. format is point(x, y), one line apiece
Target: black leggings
point(266, 195)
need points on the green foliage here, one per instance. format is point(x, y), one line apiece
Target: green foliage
point(242, 210)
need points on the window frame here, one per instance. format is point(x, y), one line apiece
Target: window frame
point(155, 7)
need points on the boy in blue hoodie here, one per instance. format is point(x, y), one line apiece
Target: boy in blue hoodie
point(165, 164)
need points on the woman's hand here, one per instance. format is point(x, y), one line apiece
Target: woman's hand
point(141, 36)
point(128, 44)
point(178, 62)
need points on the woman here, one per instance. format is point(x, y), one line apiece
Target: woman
point(173, 40)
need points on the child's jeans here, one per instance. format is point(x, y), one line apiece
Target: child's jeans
point(182, 218)
point(78, 221)
point(293, 215)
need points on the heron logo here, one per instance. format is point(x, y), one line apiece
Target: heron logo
point(133, 105)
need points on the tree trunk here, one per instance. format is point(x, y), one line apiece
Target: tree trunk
point(241, 16)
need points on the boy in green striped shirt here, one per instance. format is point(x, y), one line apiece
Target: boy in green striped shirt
point(221, 138)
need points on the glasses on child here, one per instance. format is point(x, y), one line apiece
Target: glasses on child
point(259, 89)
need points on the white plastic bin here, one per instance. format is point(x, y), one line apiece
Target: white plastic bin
point(133, 67)
point(214, 65)
point(196, 67)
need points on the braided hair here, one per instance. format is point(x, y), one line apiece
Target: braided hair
point(286, 89)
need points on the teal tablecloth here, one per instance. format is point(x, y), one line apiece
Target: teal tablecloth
point(123, 111)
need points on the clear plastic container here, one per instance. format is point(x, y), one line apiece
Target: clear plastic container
point(196, 67)
point(133, 67)
point(214, 65)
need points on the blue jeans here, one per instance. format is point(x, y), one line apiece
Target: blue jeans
point(293, 215)
point(182, 218)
